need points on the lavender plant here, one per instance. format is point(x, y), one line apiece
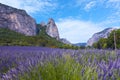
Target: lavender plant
point(37, 63)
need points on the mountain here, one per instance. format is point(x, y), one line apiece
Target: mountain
point(11, 38)
point(65, 41)
point(80, 44)
point(103, 34)
point(17, 20)
point(17, 28)
point(52, 29)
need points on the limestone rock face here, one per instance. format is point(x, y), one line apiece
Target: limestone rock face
point(17, 20)
point(97, 36)
point(52, 29)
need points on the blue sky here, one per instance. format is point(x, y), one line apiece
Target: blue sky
point(77, 20)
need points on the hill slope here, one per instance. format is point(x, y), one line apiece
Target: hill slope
point(12, 38)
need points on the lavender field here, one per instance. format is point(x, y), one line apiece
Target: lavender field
point(38, 63)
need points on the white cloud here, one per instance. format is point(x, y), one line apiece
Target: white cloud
point(77, 30)
point(31, 6)
point(115, 23)
point(90, 5)
point(114, 0)
point(115, 4)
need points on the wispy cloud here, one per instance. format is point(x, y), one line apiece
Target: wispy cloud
point(114, 0)
point(77, 30)
point(74, 29)
point(113, 19)
point(114, 5)
point(31, 6)
point(90, 5)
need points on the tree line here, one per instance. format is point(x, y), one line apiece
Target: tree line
point(112, 42)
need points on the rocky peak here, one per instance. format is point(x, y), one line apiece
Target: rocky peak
point(17, 20)
point(51, 21)
point(52, 29)
point(7, 9)
point(97, 36)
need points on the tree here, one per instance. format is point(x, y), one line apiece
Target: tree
point(101, 44)
point(112, 42)
point(114, 39)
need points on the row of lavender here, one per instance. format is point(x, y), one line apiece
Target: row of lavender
point(19, 60)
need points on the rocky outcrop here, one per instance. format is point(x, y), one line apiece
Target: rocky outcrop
point(103, 34)
point(65, 41)
point(17, 20)
point(52, 29)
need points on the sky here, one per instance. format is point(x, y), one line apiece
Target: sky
point(77, 20)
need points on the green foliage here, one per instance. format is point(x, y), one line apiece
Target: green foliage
point(101, 44)
point(12, 38)
point(65, 68)
point(111, 39)
point(109, 42)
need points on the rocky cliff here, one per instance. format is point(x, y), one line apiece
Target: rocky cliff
point(103, 34)
point(17, 20)
point(52, 29)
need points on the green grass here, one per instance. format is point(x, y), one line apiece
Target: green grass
point(61, 69)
